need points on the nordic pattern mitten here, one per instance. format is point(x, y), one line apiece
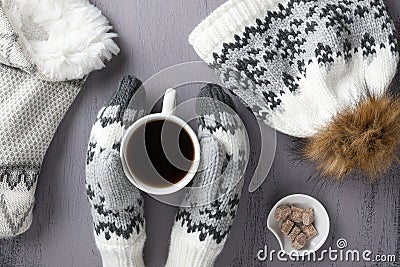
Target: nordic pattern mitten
point(202, 226)
point(315, 69)
point(116, 204)
point(42, 67)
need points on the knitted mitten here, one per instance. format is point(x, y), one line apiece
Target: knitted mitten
point(201, 227)
point(43, 60)
point(116, 205)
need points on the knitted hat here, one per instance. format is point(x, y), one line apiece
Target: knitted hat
point(316, 69)
point(47, 47)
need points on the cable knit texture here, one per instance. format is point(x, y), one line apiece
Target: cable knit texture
point(116, 204)
point(207, 213)
point(31, 108)
point(298, 63)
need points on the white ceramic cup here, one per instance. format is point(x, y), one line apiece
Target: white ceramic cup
point(166, 114)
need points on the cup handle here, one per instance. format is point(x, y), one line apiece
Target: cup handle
point(169, 102)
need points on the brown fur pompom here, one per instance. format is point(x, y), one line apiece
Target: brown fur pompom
point(364, 138)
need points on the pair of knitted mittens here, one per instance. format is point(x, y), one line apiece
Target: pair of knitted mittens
point(47, 48)
point(117, 207)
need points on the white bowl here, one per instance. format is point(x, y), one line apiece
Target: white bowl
point(321, 223)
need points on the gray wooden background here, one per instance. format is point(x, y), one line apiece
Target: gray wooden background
point(153, 36)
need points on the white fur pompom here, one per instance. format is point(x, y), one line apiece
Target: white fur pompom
point(66, 39)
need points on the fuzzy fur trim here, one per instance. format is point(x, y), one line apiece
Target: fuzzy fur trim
point(365, 138)
point(66, 39)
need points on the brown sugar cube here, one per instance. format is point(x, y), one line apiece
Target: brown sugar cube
point(309, 231)
point(296, 215)
point(287, 226)
point(294, 233)
point(282, 213)
point(300, 241)
point(308, 216)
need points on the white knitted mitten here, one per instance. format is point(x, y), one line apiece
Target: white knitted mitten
point(116, 205)
point(202, 226)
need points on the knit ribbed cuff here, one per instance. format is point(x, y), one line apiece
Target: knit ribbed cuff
point(14, 224)
point(17, 197)
point(187, 250)
point(127, 253)
point(225, 22)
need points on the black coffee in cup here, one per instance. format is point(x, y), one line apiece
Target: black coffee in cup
point(160, 152)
